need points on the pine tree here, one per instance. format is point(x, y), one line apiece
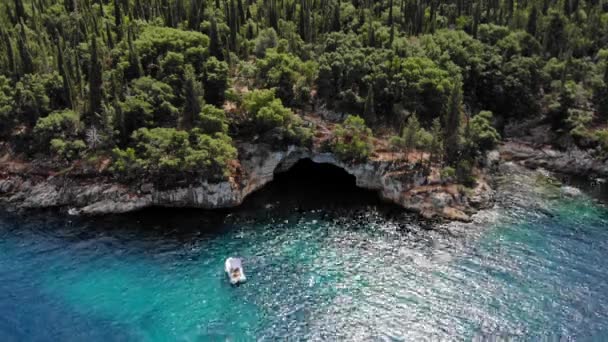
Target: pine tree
point(95, 84)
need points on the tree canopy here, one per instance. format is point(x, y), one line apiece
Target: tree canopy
point(145, 76)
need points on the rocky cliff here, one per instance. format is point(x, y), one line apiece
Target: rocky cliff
point(399, 183)
point(573, 161)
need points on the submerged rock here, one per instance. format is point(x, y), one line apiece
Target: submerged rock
point(570, 191)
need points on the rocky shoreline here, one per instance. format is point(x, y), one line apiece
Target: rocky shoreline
point(573, 161)
point(398, 183)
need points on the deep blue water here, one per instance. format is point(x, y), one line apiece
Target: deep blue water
point(328, 267)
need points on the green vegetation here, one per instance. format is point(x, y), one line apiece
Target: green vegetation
point(169, 85)
point(352, 140)
point(168, 151)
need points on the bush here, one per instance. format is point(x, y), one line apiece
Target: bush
point(448, 173)
point(213, 120)
point(266, 39)
point(68, 149)
point(464, 173)
point(352, 140)
point(484, 135)
point(602, 137)
point(6, 105)
point(167, 152)
point(297, 134)
point(59, 124)
point(273, 115)
point(268, 113)
point(155, 41)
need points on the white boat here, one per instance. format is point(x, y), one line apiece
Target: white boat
point(234, 270)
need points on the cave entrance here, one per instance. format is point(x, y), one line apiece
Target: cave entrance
point(308, 185)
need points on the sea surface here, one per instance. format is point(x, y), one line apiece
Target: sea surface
point(324, 261)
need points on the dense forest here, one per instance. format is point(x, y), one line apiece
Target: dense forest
point(169, 86)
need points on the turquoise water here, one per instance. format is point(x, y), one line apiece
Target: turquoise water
point(533, 267)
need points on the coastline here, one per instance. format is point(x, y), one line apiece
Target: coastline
point(402, 184)
point(97, 194)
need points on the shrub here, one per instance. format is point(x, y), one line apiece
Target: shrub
point(59, 124)
point(167, 152)
point(266, 39)
point(68, 149)
point(269, 114)
point(213, 120)
point(464, 172)
point(484, 135)
point(352, 140)
point(448, 173)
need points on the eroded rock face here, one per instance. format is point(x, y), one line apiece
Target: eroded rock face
point(574, 161)
point(396, 184)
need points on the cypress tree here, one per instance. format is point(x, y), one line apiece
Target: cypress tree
point(233, 24)
point(109, 39)
point(193, 93)
point(19, 10)
point(304, 22)
point(273, 17)
point(476, 19)
point(336, 25)
point(452, 124)
point(603, 98)
point(369, 111)
point(95, 84)
point(532, 19)
point(12, 67)
point(27, 64)
point(69, 5)
point(118, 20)
point(77, 67)
point(391, 22)
point(214, 44)
point(436, 143)
point(197, 7)
point(241, 12)
point(64, 76)
point(135, 68)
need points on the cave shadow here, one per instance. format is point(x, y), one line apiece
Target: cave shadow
point(307, 187)
point(310, 186)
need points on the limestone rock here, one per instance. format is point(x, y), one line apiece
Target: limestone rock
point(259, 165)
